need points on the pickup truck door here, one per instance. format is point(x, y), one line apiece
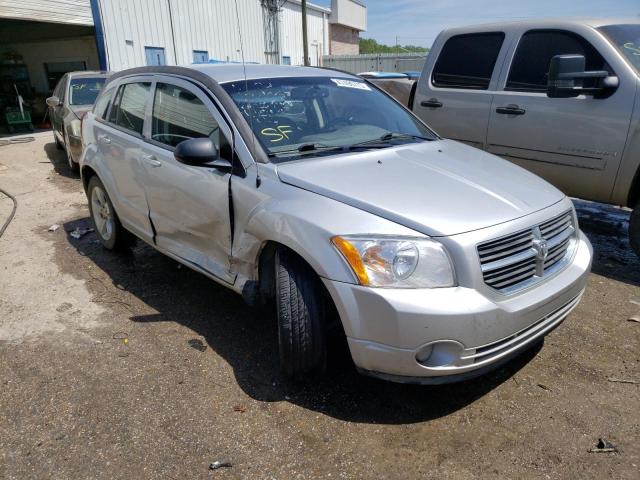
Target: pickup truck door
point(574, 143)
point(456, 97)
point(188, 205)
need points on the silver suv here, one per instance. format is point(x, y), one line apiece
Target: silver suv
point(312, 189)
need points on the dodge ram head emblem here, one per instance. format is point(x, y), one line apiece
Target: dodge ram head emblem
point(541, 248)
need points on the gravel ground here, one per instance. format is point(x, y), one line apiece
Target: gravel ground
point(131, 366)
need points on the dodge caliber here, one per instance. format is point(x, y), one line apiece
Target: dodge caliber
point(313, 191)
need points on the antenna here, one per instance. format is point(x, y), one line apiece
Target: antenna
point(246, 87)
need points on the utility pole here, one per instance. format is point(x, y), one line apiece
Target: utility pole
point(305, 45)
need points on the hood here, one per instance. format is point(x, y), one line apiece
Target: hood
point(80, 110)
point(438, 188)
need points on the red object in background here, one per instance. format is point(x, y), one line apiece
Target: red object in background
point(44, 125)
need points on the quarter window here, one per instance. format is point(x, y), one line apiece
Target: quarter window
point(467, 61)
point(530, 66)
point(179, 115)
point(129, 106)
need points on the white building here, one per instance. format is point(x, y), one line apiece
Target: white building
point(50, 37)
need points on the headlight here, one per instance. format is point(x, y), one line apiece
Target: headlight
point(403, 262)
point(74, 128)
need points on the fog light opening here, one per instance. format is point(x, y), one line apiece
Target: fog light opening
point(424, 353)
point(440, 354)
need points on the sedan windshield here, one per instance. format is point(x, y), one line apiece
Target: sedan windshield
point(298, 117)
point(626, 38)
point(83, 91)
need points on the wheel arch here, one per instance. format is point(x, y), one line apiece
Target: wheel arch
point(634, 191)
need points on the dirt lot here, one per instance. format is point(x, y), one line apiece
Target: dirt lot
point(131, 366)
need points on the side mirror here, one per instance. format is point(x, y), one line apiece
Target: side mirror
point(200, 152)
point(566, 75)
point(53, 101)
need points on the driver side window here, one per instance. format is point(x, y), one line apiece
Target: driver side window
point(179, 115)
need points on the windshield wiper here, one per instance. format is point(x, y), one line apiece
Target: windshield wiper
point(307, 148)
point(384, 140)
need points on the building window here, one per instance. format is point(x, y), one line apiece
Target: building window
point(200, 56)
point(286, 60)
point(154, 56)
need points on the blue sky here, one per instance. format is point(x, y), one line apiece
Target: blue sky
point(418, 22)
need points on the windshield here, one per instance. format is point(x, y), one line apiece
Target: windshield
point(626, 38)
point(83, 91)
point(305, 116)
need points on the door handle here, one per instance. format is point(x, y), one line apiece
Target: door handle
point(511, 110)
point(431, 103)
point(104, 139)
point(152, 161)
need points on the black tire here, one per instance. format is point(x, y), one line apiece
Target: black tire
point(120, 239)
point(301, 317)
point(73, 166)
point(634, 229)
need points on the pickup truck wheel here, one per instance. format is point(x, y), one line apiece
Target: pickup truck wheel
point(105, 221)
point(634, 229)
point(301, 316)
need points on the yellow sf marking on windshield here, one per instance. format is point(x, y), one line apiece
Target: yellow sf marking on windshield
point(279, 133)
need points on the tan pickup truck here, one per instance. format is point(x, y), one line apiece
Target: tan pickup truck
point(557, 97)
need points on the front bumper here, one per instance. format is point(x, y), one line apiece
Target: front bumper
point(75, 147)
point(470, 330)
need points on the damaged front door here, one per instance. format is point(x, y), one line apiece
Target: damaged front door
point(188, 205)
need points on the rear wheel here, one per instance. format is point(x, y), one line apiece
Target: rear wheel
point(634, 229)
point(301, 316)
point(106, 223)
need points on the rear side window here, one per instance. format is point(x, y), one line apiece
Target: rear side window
point(129, 106)
point(530, 67)
point(102, 103)
point(179, 115)
point(467, 61)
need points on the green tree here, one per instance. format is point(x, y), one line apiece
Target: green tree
point(369, 45)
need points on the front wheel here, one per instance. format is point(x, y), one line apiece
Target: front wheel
point(301, 316)
point(634, 229)
point(105, 221)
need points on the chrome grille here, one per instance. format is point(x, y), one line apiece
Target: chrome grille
point(515, 261)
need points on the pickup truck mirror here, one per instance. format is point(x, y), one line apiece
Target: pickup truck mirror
point(566, 75)
point(200, 152)
point(53, 101)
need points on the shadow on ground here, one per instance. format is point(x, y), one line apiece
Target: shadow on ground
point(607, 228)
point(246, 339)
point(58, 159)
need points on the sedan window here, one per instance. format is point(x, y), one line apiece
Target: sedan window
point(128, 109)
point(301, 116)
point(179, 115)
point(84, 91)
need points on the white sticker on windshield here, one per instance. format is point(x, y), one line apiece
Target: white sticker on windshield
point(341, 82)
